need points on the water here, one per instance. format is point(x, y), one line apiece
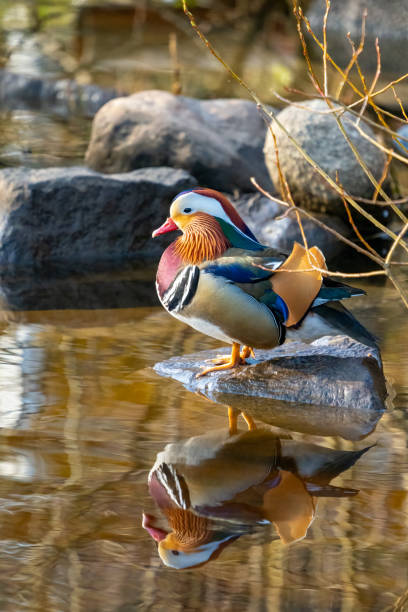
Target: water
point(83, 416)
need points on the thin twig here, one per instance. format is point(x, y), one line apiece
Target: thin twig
point(354, 55)
point(398, 287)
point(355, 228)
point(395, 243)
point(380, 146)
point(400, 103)
point(329, 229)
point(326, 272)
point(326, 14)
point(383, 177)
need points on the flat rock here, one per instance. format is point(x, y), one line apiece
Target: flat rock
point(260, 213)
point(338, 373)
point(74, 215)
point(319, 135)
point(219, 142)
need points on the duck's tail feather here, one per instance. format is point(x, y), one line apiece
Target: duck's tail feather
point(333, 291)
point(338, 317)
point(337, 462)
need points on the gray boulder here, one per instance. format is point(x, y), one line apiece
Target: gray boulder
point(74, 215)
point(219, 141)
point(321, 138)
point(260, 213)
point(337, 373)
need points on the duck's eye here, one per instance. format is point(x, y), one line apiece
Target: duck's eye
point(175, 552)
point(187, 210)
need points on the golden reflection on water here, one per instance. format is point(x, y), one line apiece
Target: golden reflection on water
point(83, 417)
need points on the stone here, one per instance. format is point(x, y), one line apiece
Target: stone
point(218, 141)
point(63, 98)
point(337, 373)
point(261, 215)
point(319, 135)
point(387, 21)
point(76, 216)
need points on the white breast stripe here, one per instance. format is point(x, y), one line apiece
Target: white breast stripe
point(182, 289)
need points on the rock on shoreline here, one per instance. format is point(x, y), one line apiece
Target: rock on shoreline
point(336, 372)
point(74, 215)
point(316, 130)
point(220, 142)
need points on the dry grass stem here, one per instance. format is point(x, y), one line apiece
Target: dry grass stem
point(396, 243)
point(354, 56)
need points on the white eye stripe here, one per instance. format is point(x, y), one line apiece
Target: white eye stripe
point(198, 203)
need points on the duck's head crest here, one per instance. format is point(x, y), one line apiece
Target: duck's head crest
point(187, 205)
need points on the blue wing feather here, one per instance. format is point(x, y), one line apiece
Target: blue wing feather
point(237, 269)
point(241, 270)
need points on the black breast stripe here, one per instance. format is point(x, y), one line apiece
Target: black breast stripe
point(182, 289)
point(279, 325)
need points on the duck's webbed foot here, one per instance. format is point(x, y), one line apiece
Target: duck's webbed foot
point(246, 352)
point(226, 363)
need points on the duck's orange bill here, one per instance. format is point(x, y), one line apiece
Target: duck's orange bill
point(168, 226)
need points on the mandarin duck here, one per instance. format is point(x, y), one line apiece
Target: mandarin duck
point(220, 280)
point(213, 488)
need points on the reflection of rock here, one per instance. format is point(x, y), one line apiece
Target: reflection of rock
point(215, 487)
point(259, 213)
point(75, 215)
point(335, 372)
point(219, 141)
point(127, 287)
point(320, 137)
point(62, 97)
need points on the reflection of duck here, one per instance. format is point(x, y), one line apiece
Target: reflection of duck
point(216, 487)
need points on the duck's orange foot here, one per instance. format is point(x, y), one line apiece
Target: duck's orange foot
point(224, 363)
point(226, 359)
point(247, 351)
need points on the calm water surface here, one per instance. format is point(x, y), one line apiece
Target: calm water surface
point(83, 416)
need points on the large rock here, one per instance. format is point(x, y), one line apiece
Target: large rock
point(387, 21)
point(337, 373)
point(219, 141)
point(75, 215)
point(319, 135)
point(260, 213)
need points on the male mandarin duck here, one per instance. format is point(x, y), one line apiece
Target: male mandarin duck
point(220, 280)
point(216, 487)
